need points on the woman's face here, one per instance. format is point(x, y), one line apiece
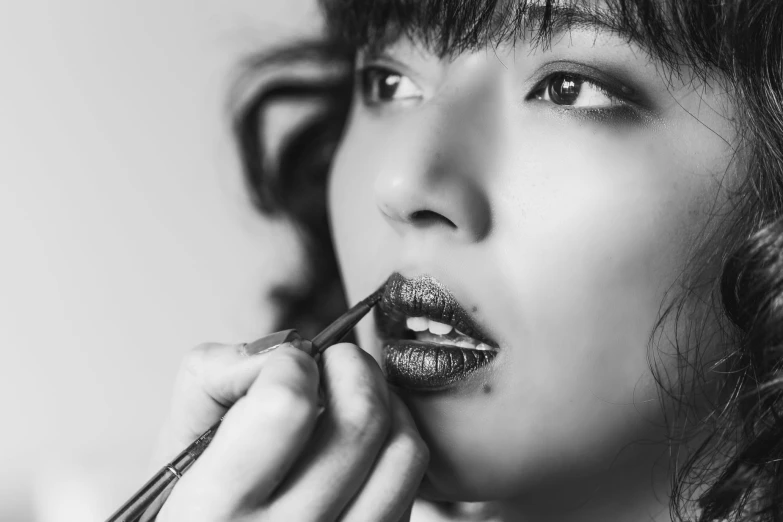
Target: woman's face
point(557, 194)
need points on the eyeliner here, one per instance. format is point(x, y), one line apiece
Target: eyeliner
point(147, 502)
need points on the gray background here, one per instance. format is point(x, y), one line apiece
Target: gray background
point(126, 236)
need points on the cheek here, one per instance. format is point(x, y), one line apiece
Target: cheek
point(591, 246)
point(351, 206)
point(587, 241)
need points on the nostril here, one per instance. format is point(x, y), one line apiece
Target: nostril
point(424, 218)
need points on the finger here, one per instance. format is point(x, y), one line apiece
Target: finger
point(211, 378)
point(391, 488)
point(406, 517)
point(260, 438)
point(349, 436)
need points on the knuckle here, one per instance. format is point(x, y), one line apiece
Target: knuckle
point(291, 403)
point(366, 418)
point(287, 388)
point(409, 448)
point(294, 363)
point(348, 362)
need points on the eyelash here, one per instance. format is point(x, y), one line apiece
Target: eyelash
point(545, 86)
point(368, 76)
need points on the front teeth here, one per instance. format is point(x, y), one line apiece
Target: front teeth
point(440, 328)
point(419, 324)
point(422, 324)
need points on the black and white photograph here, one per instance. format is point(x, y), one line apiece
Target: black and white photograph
point(391, 261)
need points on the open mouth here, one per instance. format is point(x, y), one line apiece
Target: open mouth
point(430, 341)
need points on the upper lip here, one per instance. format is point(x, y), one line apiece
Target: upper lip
point(423, 296)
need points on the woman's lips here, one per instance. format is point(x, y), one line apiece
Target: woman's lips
point(425, 296)
point(424, 364)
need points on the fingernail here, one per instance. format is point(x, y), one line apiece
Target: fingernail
point(257, 348)
point(271, 341)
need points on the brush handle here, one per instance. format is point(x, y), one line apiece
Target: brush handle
point(147, 502)
point(333, 333)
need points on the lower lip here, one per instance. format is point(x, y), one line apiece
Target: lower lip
point(418, 365)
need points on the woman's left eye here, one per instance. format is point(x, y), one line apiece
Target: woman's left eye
point(573, 90)
point(381, 85)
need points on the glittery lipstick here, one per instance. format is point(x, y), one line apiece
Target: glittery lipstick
point(415, 358)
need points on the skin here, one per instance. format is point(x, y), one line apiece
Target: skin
point(562, 229)
point(559, 228)
point(274, 452)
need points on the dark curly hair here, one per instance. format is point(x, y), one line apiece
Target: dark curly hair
point(736, 473)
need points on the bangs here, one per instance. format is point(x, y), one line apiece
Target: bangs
point(663, 28)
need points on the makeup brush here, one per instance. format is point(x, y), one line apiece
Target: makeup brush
point(146, 503)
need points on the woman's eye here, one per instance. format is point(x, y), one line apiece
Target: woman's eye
point(380, 85)
point(574, 91)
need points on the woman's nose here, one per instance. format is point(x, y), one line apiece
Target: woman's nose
point(438, 200)
point(436, 178)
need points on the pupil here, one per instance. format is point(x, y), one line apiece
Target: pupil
point(379, 85)
point(388, 86)
point(564, 89)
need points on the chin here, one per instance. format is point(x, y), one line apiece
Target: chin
point(465, 465)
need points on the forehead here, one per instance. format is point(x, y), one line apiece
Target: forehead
point(450, 27)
